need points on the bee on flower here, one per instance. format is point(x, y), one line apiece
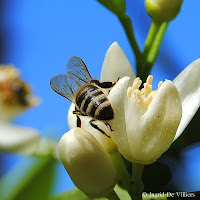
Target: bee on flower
point(145, 123)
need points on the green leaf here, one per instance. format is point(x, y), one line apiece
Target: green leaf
point(122, 194)
point(72, 195)
point(116, 6)
point(77, 194)
point(31, 179)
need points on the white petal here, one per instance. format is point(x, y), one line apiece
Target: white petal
point(188, 85)
point(72, 119)
point(18, 139)
point(88, 164)
point(117, 99)
point(116, 65)
point(106, 142)
point(157, 127)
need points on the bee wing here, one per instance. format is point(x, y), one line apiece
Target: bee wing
point(77, 71)
point(63, 86)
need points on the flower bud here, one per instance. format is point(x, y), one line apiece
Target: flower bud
point(88, 164)
point(163, 10)
point(105, 141)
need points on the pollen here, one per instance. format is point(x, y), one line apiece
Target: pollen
point(144, 96)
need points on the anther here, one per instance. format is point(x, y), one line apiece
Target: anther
point(159, 84)
point(136, 83)
point(137, 95)
point(148, 100)
point(149, 79)
point(129, 92)
point(153, 93)
point(147, 89)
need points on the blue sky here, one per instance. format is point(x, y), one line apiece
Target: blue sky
point(42, 35)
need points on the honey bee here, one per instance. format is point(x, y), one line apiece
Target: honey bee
point(86, 93)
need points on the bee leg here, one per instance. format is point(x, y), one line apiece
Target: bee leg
point(96, 127)
point(107, 124)
point(78, 122)
point(76, 112)
point(106, 85)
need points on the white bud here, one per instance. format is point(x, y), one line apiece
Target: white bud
point(88, 164)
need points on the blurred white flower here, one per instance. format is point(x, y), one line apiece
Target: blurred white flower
point(15, 97)
point(18, 139)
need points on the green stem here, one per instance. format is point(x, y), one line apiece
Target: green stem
point(153, 52)
point(138, 186)
point(112, 196)
point(150, 37)
point(127, 25)
point(122, 171)
point(151, 48)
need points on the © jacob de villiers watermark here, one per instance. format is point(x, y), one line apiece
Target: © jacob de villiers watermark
point(169, 194)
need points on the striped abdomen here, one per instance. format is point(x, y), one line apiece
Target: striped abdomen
point(91, 101)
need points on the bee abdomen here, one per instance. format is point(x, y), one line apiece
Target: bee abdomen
point(81, 96)
point(94, 103)
point(104, 111)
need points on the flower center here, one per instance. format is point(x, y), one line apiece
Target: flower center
point(144, 96)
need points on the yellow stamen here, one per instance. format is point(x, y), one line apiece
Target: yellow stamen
point(148, 100)
point(144, 96)
point(160, 83)
point(149, 79)
point(137, 94)
point(136, 83)
point(129, 92)
point(147, 89)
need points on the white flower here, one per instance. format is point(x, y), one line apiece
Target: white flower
point(146, 122)
point(15, 98)
point(88, 164)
